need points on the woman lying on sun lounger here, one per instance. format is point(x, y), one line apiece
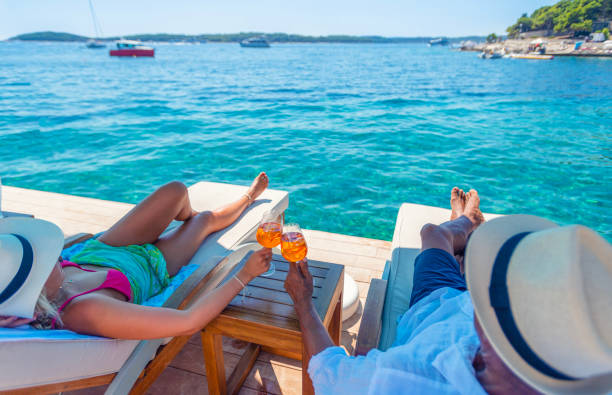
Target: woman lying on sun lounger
point(101, 290)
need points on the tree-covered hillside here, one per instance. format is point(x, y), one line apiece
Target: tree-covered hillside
point(49, 36)
point(571, 16)
point(237, 37)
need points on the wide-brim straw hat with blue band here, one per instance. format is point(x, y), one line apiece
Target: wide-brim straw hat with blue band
point(543, 296)
point(29, 249)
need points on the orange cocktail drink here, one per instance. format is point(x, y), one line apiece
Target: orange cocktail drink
point(293, 244)
point(269, 234)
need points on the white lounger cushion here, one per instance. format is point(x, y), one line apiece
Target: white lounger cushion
point(399, 273)
point(29, 362)
point(38, 362)
point(211, 195)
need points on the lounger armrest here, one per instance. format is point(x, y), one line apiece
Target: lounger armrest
point(208, 275)
point(371, 321)
point(75, 239)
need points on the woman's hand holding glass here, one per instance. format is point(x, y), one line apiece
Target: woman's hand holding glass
point(258, 263)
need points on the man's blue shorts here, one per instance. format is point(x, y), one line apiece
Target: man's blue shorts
point(433, 269)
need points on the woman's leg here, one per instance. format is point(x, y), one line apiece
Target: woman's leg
point(179, 246)
point(146, 222)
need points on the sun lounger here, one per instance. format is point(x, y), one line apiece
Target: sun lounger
point(388, 298)
point(55, 361)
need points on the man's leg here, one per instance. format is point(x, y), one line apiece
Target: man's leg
point(436, 266)
point(452, 236)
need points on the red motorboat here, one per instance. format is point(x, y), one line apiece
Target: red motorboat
point(132, 48)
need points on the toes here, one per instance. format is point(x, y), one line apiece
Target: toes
point(474, 195)
point(262, 177)
point(455, 193)
point(259, 184)
point(456, 203)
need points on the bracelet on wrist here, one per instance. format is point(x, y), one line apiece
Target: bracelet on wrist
point(239, 281)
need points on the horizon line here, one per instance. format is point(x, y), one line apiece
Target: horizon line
point(251, 32)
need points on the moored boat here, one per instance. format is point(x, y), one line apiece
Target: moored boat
point(255, 42)
point(490, 55)
point(95, 44)
point(438, 41)
point(534, 56)
point(132, 48)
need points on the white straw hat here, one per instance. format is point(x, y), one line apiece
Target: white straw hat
point(29, 248)
point(543, 296)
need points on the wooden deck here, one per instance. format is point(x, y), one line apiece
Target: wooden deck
point(364, 259)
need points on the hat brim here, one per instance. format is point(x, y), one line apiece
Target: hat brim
point(47, 241)
point(480, 255)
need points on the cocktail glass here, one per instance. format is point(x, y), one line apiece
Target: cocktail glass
point(293, 243)
point(269, 235)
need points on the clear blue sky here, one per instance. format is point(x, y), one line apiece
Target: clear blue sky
point(314, 17)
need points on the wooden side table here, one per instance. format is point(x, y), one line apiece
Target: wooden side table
point(266, 318)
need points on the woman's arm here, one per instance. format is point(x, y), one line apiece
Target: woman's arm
point(10, 321)
point(103, 316)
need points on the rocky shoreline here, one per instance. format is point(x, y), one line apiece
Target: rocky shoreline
point(553, 46)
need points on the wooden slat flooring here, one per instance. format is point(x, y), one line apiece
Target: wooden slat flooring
point(363, 258)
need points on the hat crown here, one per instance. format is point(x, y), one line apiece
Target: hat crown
point(560, 288)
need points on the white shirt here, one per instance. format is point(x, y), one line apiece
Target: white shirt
point(433, 351)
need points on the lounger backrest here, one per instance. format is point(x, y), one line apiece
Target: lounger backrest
point(210, 195)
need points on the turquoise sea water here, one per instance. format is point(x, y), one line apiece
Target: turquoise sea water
point(352, 131)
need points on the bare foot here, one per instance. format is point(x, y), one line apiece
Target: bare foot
point(457, 203)
point(260, 183)
point(472, 208)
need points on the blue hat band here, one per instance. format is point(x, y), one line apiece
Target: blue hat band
point(24, 270)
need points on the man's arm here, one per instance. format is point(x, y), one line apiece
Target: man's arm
point(299, 287)
point(332, 371)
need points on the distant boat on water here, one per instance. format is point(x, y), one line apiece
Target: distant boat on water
point(255, 42)
point(132, 48)
point(438, 41)
point(95, 44)
point(490, 55)
point(532, 56)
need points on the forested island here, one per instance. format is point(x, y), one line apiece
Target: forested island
point(237, 37)
point(571, 17)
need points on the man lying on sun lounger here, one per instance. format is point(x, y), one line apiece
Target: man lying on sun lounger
point(538, 316)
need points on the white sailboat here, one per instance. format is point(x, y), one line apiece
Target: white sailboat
point(95, 43)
